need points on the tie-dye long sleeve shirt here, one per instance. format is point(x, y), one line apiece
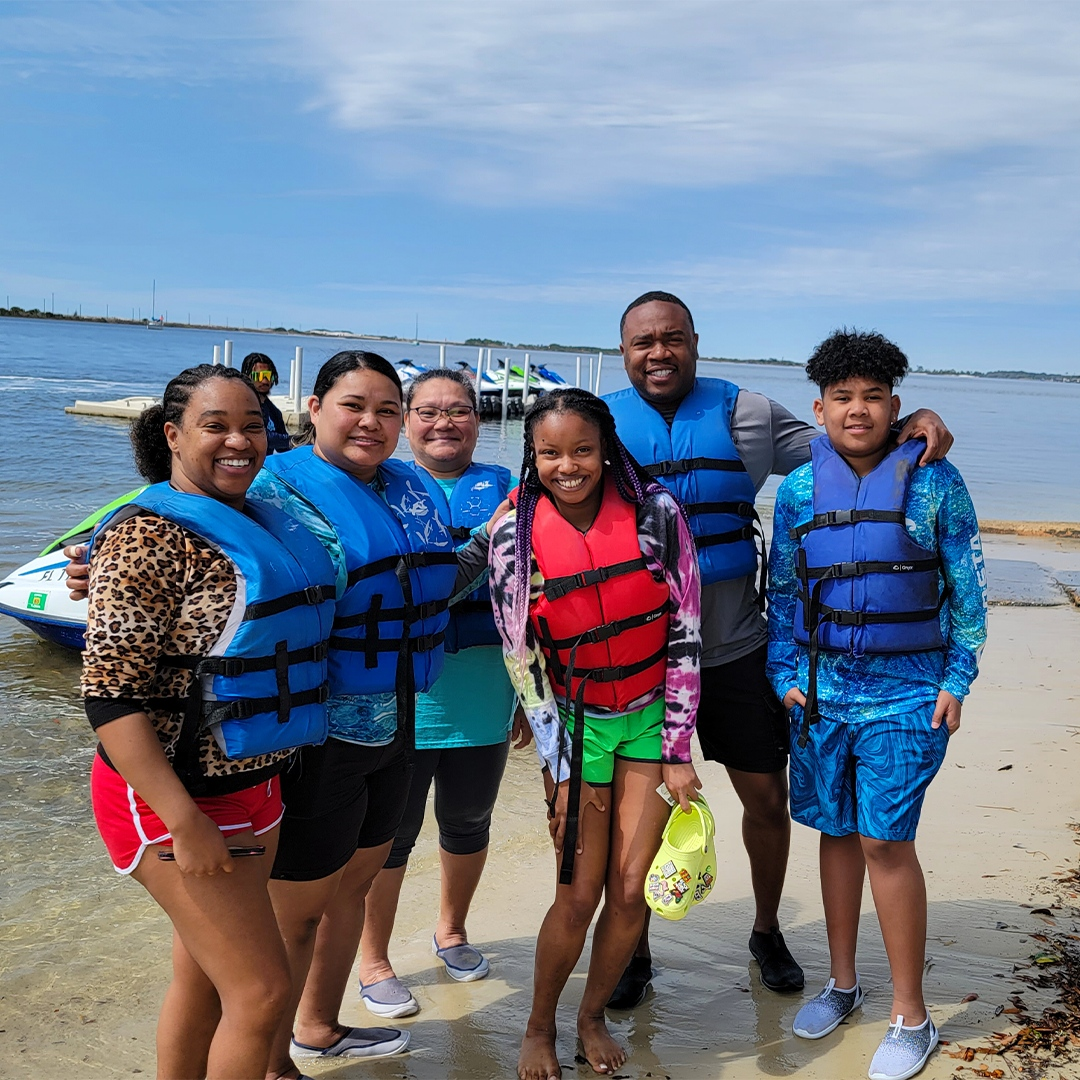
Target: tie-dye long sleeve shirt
point(853, 689)
point(669, 551)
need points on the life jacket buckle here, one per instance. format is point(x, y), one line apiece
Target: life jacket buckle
point(320, 652)
point(840, 517)
point(663, 468)
point(232, 667)
point(313, 595)
point(847, 618)
point(323, 693)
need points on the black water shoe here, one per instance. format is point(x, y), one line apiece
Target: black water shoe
point(779, 972)
point(633, 985)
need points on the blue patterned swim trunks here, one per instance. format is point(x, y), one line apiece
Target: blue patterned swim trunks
point(868, 778)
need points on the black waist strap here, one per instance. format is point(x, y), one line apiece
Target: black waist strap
point(234, 666)
point(214, 712)
point(411, 560)
point(739, 509)
point(312, 595)
point(847, 517)
point(685, 465)
point(425, 643)
point(838, 571)
point(471, 607)
point(744, 532)
point(609, 629)
point(556, 588)
point(427, 610)
point(615, 674)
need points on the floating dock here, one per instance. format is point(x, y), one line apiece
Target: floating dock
point(129, 407)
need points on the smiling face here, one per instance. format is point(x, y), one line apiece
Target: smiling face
point(659, 349)
point(220, 443)
point(570, 464)
point(357, 422)
point(443, 446)
point(858, 415)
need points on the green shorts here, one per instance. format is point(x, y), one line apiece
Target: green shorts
point(636, 736)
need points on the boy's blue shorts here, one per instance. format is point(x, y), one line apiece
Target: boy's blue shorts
point(868, 778)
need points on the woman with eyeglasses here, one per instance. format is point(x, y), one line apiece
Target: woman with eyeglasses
point(463, 721)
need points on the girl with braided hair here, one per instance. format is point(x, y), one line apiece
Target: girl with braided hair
point(596, 593)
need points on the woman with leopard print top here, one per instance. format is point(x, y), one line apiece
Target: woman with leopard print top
point(158, 590)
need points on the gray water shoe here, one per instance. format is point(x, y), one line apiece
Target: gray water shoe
point(823, 1013)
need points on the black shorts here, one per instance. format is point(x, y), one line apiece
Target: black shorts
point(467, 782)
point(339, 797)
point(741, 723)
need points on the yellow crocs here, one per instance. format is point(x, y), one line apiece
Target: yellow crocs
point(683, 872)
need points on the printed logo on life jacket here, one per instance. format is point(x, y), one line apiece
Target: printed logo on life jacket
point(903, 566)
point(483, 485)
point(417, 515)
point(653, 616)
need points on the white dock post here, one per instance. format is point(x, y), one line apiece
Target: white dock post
point(505, 389)
point(525, 386)
point(298, 365)
point(228, 353)
point(599, 369)
point(217, 355)
point(577, 372)
point(292, 378)
point(590, 386)
point(442, 355)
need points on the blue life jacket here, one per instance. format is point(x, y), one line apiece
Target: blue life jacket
point(697, 461)
point(475, 497)
point(864, 585)
point(262, 686)
point(389, 628)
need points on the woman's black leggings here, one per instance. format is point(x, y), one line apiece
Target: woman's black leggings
point(467, 782)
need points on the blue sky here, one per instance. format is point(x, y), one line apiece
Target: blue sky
point(522, 170)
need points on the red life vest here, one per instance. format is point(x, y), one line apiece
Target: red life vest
point(599, 596)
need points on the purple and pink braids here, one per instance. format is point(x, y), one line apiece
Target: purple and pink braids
point(631, 480)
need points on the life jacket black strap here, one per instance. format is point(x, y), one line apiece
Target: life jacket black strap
point(846, 517)
point(685, 465)
point(425, 643)
point(234, 666)
point(739, 509)
point(459, 532)
point(312, 595)
point(428, 610)
point(615, 674)
point(556, 588)
point(609, 629)
point(733, 536)
point(411, 560)
point(213, 712)
point(837, 571)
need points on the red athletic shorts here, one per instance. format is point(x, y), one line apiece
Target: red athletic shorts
point(128, 826)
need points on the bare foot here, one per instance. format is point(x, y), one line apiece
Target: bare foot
point(538, 1060)
point(602, 1052)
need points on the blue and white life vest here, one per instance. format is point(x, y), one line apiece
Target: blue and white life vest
point(475, 497)
point(262, 686)
point(865, 586)
point(401, 571)
point(697, 461)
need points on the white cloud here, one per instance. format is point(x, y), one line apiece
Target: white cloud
point(550, 101)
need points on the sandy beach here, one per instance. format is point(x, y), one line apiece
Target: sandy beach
point(80, 984)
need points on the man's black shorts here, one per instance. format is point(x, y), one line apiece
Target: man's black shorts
point(339, 797)
point(741, 723)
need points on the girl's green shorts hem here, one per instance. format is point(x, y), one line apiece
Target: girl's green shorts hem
point(635, 736)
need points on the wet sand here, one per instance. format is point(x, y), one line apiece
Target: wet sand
point(80, 981)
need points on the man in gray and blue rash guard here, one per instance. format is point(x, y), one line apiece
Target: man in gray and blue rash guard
point(740, 723)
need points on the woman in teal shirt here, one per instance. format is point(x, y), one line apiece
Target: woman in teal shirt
point(462, 735)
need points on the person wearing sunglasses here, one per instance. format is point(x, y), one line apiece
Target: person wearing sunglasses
point(461, 736)
point(259, 369)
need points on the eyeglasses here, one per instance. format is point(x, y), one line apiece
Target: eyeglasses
point(457, 413)
point(261, 375)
